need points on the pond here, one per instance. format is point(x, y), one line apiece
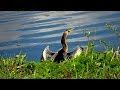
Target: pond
point(29, 32)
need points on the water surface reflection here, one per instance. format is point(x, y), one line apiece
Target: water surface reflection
point(32, 31)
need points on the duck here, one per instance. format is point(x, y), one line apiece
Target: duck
point(62, 54)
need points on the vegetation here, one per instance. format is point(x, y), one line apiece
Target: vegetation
point(88, 65)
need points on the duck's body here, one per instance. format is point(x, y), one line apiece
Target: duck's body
point(62, 54)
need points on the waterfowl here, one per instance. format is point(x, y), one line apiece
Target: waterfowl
point(63, 53)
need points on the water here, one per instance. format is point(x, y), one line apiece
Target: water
point(31, 31)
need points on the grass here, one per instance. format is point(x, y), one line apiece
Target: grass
point(93, 65)
point(88, 65)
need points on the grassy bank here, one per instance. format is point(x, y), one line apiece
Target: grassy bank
point(91, 65)
point(88, 65)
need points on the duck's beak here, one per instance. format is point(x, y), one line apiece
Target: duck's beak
point(70, 29)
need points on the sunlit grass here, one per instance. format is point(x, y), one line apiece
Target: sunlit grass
point(92, 66)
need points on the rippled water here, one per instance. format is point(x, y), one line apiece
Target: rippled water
point(31, 31)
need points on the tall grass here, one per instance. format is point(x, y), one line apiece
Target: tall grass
point(88, 65)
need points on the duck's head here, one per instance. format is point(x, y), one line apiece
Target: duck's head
point(67, 31)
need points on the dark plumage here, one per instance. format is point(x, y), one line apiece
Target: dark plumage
point(62, 54)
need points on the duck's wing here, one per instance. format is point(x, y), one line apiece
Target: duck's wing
point(46, 54)
point(77, 51)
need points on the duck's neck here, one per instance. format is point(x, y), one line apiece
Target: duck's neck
point(63, 42)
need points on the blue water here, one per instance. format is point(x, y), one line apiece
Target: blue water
point(31, 31)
